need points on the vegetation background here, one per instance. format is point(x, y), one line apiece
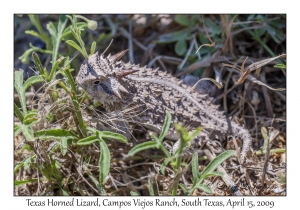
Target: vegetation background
point(47, 45)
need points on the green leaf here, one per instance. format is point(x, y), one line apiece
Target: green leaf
point(58, 36)
point(73, 85)
point(73, 94)
point(195, 19)
point(180, 47)
point(183, 187)
point(107, 135)
point(183, 133)
point(67, 31)
point(88, 140)
point(280, 66)
point(37, 49)
point(55, 167)
point(64, 192)
point(18, 84)
point(183, 20)
point(32, 80)
point(19, 165)
point(93, 48)
point(204, 188)
point(163, 165)
point(17, 129)
point(209, 171)
point(64, 146)
point(260, 32)
point(54, 67)
point(39, 65)
point(141, 147)
point(215, 163)
point(103, 37)
point(76, 46)
point(33, 33)
point(25, 56)
point(22, 182)
point(93, 130)
point(30, 121)
point(113, 26)
point(195, 166)
point(18, 113)
point(52, 30)
point(61, 25)
point(51, 118)
point(175, 36)
point(151, 191)
point(203, 38)
point(44, 37)
point(276, 34)
point(66, 63)
point(94, 180)
point(214, 173)
point(104, 162)
point(27, 132)
point(55, 134)
point(216, 30)
point(166, 126)
point(27, 163)
point(26, 147)
point(133, 193)
point(195, 133)
point(160, 145)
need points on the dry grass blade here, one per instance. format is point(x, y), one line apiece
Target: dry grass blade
point(252, 67)
point(219, 85)
point(211, 42)
point(254, 80)
point(208, 45)
point(261, 63)
point(243, 74)
point(228, 45)
point(205, 62)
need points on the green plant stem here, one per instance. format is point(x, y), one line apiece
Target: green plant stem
point(178, 164)
point(54, 67)
point(75, 102)
point(78, 37)
point(179, 152)
point(262, 152)
point(81, 25)
point(57, 39)
point(36, 22)
point(44, 37)
point(40, 50)
point(82, 17)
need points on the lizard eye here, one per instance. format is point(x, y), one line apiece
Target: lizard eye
point(97, 82)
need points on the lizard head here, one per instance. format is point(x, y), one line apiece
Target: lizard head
point(102, 77)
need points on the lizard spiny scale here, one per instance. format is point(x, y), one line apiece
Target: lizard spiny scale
point(122, 87)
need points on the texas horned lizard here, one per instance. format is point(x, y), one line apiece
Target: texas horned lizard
point(147, 94)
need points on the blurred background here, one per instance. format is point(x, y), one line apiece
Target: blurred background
point(169, 41)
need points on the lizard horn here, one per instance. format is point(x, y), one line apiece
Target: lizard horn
point(121, 88)
point(117, 93)
point(124, 73)
point(117, 56)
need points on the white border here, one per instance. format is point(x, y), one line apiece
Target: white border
point(154, 6)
